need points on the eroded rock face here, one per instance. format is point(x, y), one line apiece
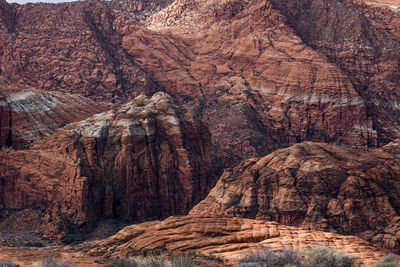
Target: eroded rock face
point(363, 41)
point(70, 47)
point(139, 9)
point(252, 78)
point(147, 159)
point(27, 114)
point(262, 74)
point(315, 186)
point(228, 238)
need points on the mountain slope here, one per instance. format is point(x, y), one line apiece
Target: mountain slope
point(70, 47)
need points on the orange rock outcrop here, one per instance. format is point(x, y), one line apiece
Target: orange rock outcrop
point(316, 186)
point(228, 238)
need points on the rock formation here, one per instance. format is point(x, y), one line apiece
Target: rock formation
point(147, 159)
point(228, 238)
point(315, 186)
point(262, 74)
point(27, 114)
point(260, 85)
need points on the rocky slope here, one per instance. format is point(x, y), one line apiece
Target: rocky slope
point(227, 238)
point(262, 74)
point(316, 186)
point(139, 9)
point(70, 47)
point(260, 83)
point(363, 41)
point(145, 160)
point(27, 114)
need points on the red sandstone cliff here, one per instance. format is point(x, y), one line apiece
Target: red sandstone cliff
point(262, 74)
point(145, 160)
point(262, 84)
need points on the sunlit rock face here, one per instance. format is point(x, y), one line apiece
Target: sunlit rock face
point(316, 186)
point(27, 114)
point(230, 239)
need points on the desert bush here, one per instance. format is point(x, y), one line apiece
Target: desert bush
point(389, 261)
point(266, 257)
point(8, 264)
point(288, 257)
point(153, 261)
point(52, 263)
point(125, 262)
point(140, 261)
point(321, 256)
point(183, 261)
point(261, 257)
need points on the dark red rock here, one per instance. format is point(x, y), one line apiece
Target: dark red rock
point(259, 86)
point(70, 47)
point(145, 160)
point(261, 74)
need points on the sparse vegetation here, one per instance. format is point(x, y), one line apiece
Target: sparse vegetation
point(266, 257)
point(319, 256)
point(183, 261)
point(389, 261)
point(52, 263)
point(153, 261)
point(8, 264)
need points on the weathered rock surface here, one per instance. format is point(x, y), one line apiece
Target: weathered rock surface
point(262, 74)
point(147, 159)
point(140, 9)
point(259, 88)
point(70, 47)
point(27, 114)
point(228, 238)
point(257, 83)
point(363, 41)
point(315, 186)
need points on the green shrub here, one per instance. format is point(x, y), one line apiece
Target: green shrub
point(8, 264)
point(321, 256)
point(183, 261)
point(153, 261)
point(288, 257)
point(262, 257)
point(139, 261)
point(266, 257)
point(389, 261)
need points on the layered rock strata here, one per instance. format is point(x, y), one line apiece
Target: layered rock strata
point(27, 114)
point(316, 186)
point(228, 238)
